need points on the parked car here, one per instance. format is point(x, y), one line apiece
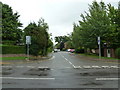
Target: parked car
point(72, 50)
point(55, 50)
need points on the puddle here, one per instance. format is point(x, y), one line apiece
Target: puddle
point(92, 83)
point(95, 74)
point(38, 72)
point(39, 69)
point(7, 71)
point(35, 74)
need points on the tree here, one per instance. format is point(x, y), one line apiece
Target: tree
point(99, 21)
point(61, 41)
point(40, 37)
point(10, 24)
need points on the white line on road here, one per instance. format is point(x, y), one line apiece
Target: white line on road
point(27, 78)
point(105, 67)
point(68, 61)
point(85, 67)
point(96, 67)
point(114, 66)
point(52, 58)
point(107, 78)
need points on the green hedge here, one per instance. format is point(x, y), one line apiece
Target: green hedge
point(7, 42)
point(117, 52)
point(13, 49)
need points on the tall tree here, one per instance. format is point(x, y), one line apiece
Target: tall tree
point(10, 24)
point(40, 37)
point(97, 22)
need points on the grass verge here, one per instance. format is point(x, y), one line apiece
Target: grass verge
point(13, 58)
point(95, 56)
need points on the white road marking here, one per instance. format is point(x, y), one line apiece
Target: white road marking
point(7, 66)
point(96, 67)
point(27, 78)
point(105, 66)
point(68, 61)
point(77, 67)
point(107, 78)
point(20, 66)
point(114, 66)
point(43, 67)
point(30, 66)
point(85, 67)
point(52, 58)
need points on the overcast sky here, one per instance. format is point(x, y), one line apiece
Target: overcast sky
point(59, 14)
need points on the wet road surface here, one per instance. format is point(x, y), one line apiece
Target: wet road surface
point(63, 70)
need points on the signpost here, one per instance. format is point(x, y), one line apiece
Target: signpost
point(99, 48)
point(28, 41)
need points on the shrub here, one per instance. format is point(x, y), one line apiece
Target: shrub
point(79, 50)
point(34, 49)
point(7, 42)
point(11, 49)
point(117, 52)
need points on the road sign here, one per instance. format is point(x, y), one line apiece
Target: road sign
point(98, 40)
point(99, 48)
point(28, 39)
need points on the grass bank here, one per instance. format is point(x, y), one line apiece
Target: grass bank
point(95, 56)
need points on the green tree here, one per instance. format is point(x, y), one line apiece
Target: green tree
point(97, 22)
point(10, 24)
point(40, 41)
point(61, 41)
point(114, 15)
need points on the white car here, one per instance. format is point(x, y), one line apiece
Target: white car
point(55, 50)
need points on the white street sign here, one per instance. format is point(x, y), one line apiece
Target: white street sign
point(28, 39)
point(99, 48)
point(98, 40)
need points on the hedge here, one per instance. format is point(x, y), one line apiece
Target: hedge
point(117, 52)
point(79, 51)
point(7, 42)
point(13, 49)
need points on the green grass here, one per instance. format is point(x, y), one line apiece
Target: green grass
point(95, 56)
point(13, 58)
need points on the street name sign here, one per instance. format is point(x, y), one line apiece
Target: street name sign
point(28, 39)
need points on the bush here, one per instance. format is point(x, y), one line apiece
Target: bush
point(117, 52)
point(79, 50)
point(34, 49)
point(63, 49)
point(7, 42)
point(6, 49)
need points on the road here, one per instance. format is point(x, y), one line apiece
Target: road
point(63, 70)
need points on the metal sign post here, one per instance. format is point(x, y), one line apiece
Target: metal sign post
point(99, 48)
point(28, 41)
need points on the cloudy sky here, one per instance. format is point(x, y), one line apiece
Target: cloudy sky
point(59, 14)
